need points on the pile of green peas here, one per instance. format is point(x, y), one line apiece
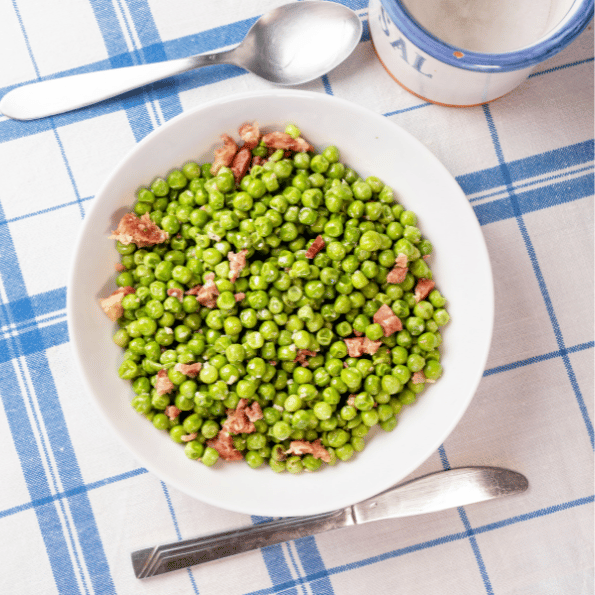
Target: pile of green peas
point(247, 348)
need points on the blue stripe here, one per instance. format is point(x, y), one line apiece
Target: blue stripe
point(115, 44)
point(443, 458)
point(43, 211)
point(276, 564)
point(565, 174)
point(469, 531)
point(177, 528)
point(475, 547)
point(517, 203)
point(28, 345)
point(37, 428)
point(20, 327)
point(355, 4)
point(528, 167)
point(537, 359)
point(534, 200)
point(528, 516)
point(35, 340)
point(295, 567)
point(327, 85)
point(51, 121)
point(29, 455)
point(406, 109)
point(29, 307)
point(69, 472)
point(49, 522)
point(39, 502)
point(312, 563)
point(453, 537)
point(563, 66)
point(365, 30)
point(153, 50)
point(137, 56)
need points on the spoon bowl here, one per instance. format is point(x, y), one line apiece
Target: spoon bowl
point(296, 43)
point(290, 45)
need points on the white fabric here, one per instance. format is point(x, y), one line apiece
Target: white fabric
point(74, 503)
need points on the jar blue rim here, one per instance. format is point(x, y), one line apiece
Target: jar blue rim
point(578, 17)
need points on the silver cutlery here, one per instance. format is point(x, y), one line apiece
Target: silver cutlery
point(290, 45)
point(430, 493)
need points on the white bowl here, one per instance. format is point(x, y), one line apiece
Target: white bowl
point(372, 145)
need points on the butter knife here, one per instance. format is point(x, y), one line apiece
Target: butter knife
point(430, 493)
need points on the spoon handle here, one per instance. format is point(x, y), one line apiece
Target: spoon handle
point(56, 96)
point(437, 491)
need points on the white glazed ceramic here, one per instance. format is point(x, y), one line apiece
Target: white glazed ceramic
point(466, 52)
point(371, 144)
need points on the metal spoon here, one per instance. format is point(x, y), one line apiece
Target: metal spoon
point(433, 492)
point(290, 45)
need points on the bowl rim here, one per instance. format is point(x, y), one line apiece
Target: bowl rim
point(433, 443)
point(562, 34)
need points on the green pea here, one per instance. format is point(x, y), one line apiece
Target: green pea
point(210, 456)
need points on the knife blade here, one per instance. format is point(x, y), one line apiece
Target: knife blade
point(429, 493)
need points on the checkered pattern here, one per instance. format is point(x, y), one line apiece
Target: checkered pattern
point(74, 503)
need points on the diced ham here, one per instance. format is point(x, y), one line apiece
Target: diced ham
point(239, 296)
point(240, 420)
point(238, 423)
point(206, 294)
point(112, 304)
point(224, 155)
point(119, 267)
point(223, 444)
point(388, 320)
point(250, 134)
point(254, 412)
point(282, 140)
point(418, 378)
point(351, 400)
point(241, 163)
point(194, 290)
point(163, 385)
point(188, 369)
point(172, 412)
point(301, 145)
point(423, 288)
point(300, 358)
point(358, 333)
point(371, 347)
point(355, 346)
point(401, 260)
point(142, 232)
point(302, 447)
point(178, 293)
point(397, 275)
point(237, 262)
point(189, 437)
point(257, 160)
point(316, 246)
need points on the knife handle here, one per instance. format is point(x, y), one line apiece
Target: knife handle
point(181, 554)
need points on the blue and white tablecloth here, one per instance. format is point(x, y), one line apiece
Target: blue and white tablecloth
point(73, 501)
